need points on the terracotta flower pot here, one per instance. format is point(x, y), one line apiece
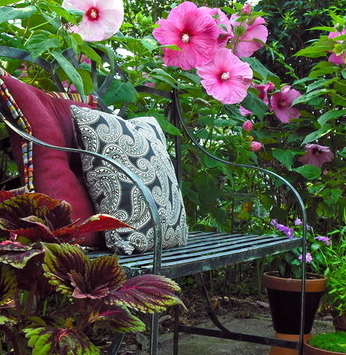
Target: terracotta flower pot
point(310, 350)
point(284, 296)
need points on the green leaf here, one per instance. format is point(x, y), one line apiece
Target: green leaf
point(87, 80)
point(12, 13)
point(254, 104)
point(309, 172)
point(330, 115)
point(149, 43)
point(70, 71)
point(121, 92)
point(310, 96)
point(285, 157)
point(40, 42)
point(331, 196)
point(90, 53)
point(260, 70)
point(313, 136)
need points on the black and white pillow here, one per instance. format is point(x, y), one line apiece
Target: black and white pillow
point(139, 144)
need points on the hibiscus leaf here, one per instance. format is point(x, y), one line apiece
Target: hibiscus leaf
point(59, 260)
point(313, 136)
point(118, 319)
point(11, 13)
point(16, 254)
point(285, 157)
point(8, 286)
point(118, 91)
point(310, 172)
point(38, 43)
point(70, 71)
point(59, 341)
point(254, 104)
point(331, 115)
point(147, 293)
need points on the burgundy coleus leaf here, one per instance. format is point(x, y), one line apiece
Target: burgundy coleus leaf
point(117, 319)
point(59, 261)
point(146, 293)
point(8, 286)
point(103, 275)
point(73, 273)
point(98, 222)
point(20, 214)
point(59, 341)
point(17, 254)
point(5, 195)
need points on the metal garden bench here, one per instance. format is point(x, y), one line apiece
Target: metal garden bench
point(204, 251)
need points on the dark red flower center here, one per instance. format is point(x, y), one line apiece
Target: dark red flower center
point(282, 103)
point(93, 14)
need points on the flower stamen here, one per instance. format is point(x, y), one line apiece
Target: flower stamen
point(93, 14)
point(185, 38)
point(225, 76)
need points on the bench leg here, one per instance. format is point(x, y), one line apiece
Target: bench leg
point(116, 344)
point(154, 335)
point(176, 330)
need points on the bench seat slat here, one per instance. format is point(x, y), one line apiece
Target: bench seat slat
point(206, 251)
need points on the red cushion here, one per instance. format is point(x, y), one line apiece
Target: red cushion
point(50, 120)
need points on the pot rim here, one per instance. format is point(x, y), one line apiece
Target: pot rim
point(318, 351)
point(314, 282)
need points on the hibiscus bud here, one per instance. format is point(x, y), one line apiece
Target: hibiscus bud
point(255, 146)
point(247, 126)
point(246, 9)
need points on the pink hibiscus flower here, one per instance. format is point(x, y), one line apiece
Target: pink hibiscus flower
point(226, 77)
point(193, 30)
point(252, 37)
point(316, 155)
point(281, 104)
point(335, 58)
point(222, 21)
point(101, 19)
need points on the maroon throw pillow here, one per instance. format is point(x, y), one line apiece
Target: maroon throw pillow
point(56, 173)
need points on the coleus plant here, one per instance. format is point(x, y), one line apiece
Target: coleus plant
point(53, 297)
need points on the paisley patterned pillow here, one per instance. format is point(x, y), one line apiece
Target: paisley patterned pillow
point(140, 144)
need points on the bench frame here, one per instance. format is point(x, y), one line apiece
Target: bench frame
point(204, 251)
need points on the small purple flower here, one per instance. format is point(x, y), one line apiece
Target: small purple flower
point(308, 257)
point(284, 229)
point(298, 222)
point(325, 240)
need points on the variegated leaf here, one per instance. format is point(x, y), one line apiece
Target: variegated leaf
point(59, 261)
point(8, 286)
point(117, 318)
point(57, 341)
point(5, 195)
point(103, 275)
point(17, 254)
point(7, 321)
point(147, 293)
